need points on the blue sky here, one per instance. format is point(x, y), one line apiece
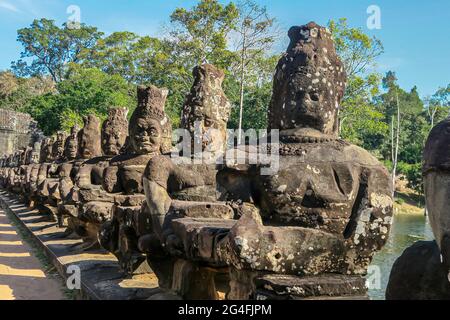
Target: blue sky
point(415, 33)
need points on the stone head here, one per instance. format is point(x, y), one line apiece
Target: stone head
point(21, 156)
point(89, 138)
point(436, 174)
point(149, 127)
point(46, 154)
point(309, 83)
point(114, 131)
point(71, 144)
point(27, 155)
point(58, 145)
point(35, 153)
point(207, 109)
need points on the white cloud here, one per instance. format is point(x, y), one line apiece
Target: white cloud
point(8, 6)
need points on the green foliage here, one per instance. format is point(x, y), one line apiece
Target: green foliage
point(201, 32)
point(52, 48)
point(257, 102)
point(16, 93)
point(414, 176)
point(85, 91)
point(359, 117)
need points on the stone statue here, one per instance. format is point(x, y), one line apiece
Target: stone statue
point(320, 217)
point(329, 206)
point(187, 189)
point(88, 146)
point(95, 204)
point(422, 272)
point(149, 135)
point(206, 111)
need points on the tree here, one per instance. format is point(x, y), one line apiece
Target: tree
point(358, 52)
point(16, 93)
point(257, 94)
point(8, 84)
point(200, 34)
point(85, 91)
point(256, 33)
point(437, 106)
point(51, 48)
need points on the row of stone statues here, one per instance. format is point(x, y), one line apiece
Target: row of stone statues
point(219, 229)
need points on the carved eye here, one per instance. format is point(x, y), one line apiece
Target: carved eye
point(314, 96)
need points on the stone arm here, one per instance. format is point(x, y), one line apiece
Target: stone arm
point(42, 177)
point(66, 182)
point(83, 177)
point(161, 180)
point(155, 182)
point(111, 182)
point(91, 174)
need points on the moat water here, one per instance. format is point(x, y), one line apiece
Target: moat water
point(406, 230)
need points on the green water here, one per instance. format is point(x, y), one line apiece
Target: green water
point(406, 230)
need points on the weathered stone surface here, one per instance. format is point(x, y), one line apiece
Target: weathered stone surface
point(436, 174)
point(114, 131)
point(46, 150)
point(17, 130)
point(89, 138)
point(309, 82)
point(418, 274)
point(207, 109)
point(328, 208)
point(58, 146)
point(422, 272)
point(71, 145)
point(149, 117)
point(189, 190)
point(149, 135)
point(200, 236)
point(295, 288)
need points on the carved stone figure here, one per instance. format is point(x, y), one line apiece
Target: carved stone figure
point(325, 211)
point(88, 146)
point(329, 206)
point(206, 110)
point(149, 135)
point(422, 271)
point(177, 190)
point(95, 204)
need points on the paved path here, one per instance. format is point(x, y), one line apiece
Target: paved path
point(21, 273)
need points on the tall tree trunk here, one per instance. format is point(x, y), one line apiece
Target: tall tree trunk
point(397, 142)
point(241, 87)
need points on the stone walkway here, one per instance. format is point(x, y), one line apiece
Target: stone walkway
point(21, 273)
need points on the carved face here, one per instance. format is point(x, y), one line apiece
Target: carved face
point(34, 157)
point(85, 147)
point(71, 148)
point(309, 83)
point(46, 150)
point(58, 147)
point(89, 145)
point(113, 140)
point(146, 136)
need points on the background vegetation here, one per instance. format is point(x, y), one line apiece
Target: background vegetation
point(63, 74)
